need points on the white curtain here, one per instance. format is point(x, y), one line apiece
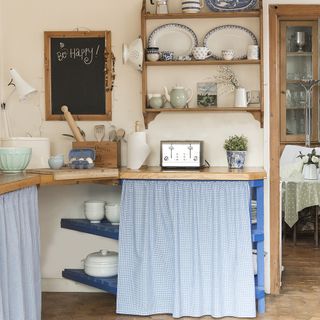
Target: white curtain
point(185, 249)
point(20, 279)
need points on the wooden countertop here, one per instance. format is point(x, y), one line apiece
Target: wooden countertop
point(12, 182)
point(213, 173)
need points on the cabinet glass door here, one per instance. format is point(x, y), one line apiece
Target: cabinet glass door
point(298, 62)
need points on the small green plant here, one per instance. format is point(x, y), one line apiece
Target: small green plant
point(236, 143)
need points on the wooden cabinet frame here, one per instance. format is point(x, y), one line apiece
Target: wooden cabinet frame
point(276, 14)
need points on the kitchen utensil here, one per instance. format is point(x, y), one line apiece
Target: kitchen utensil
point(182, 154)
point(14, 159)
point(230, 5)
point(112, 133)
point(178, 97)
point(174, 37)
point(83, 134)
point(94, 210)
point(99, 132)
point(72, 124)
point(120, 134)
point(112, 213)
point(101, 264)
point(56, 162)
point(229, 36)
point(161, 6)
point(201, 53)
point(193, 6)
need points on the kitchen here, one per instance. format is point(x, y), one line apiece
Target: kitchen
point(19, 34)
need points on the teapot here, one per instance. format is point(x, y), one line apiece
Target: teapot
point(178, 96)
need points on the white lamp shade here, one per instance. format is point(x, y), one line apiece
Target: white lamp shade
point(133, 53)
point(22, 87)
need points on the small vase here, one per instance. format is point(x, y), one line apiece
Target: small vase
point(236, 159)
point(310, 172)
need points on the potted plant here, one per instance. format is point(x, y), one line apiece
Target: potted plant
point(310, 165)
point(236, 147)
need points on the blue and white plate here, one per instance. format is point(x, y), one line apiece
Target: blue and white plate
point(228, 37)
point(173, 37)
point(230, 5)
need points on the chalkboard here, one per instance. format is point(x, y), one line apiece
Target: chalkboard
point(78, 67)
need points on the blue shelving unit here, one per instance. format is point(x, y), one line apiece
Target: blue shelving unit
point(257, 233)
point(103, 229)
point(108, 284)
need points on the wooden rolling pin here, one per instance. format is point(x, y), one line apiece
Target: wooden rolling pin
point(72, 124)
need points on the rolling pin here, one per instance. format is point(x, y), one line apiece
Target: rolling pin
point(72, 124)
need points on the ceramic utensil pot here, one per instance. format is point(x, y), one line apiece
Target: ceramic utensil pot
point(201, 53)
point(191, 6)
point(241, 97)
point(253, 52)
point(112, 212)
point(101, 264)
point(178, 96)
point(94, 210)
point(161, 6)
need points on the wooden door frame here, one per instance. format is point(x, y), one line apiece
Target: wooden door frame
point(276, 13)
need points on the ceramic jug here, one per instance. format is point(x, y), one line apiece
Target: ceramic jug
point(178, 96)
point(161, 6)
point(241, 97)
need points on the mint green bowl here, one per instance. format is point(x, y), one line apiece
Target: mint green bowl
point(14, 159)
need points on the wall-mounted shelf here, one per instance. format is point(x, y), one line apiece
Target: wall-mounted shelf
point(208, 62)
point(203, 15)
point(103, 229)
point(108, 284)
point(150, 115)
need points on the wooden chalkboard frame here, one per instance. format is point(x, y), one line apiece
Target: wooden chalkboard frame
point(48, 35)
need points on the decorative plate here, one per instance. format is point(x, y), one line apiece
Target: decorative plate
point(229, 36)
point(173, 37)
point(230, 5)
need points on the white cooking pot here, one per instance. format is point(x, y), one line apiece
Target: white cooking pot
point(101, 264)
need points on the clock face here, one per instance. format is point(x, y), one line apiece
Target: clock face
point(180, 154)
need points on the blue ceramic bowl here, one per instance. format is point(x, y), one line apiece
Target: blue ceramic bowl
point(56, 162)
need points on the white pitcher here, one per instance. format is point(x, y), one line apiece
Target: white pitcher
point(191, 6)
point(241, 97)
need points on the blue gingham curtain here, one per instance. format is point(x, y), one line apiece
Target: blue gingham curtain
point(20, 289)
point(185, 249)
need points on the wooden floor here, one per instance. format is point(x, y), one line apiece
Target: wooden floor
point(300, 298)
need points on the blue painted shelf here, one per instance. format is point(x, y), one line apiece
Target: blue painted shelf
point(103, 229)
point(108, 284)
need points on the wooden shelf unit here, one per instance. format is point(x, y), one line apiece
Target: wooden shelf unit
point(150, 114)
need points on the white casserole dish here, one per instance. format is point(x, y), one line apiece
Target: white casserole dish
point(101, 264)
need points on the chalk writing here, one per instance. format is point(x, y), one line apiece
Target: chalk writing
point(87, 55)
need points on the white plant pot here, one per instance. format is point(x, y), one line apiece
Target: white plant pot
point(309, 172)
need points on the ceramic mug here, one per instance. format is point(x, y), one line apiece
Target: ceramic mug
point(227, 54)
point(166, 55)
point(94, 210)
point(191, 6)
point(201, 53)
point(253, 52)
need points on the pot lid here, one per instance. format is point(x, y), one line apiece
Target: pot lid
point(102, 257)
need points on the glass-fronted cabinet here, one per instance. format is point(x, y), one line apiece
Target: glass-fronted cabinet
point(299, 61)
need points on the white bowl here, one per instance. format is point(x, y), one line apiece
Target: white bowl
point(94, 210)
point(112, 212)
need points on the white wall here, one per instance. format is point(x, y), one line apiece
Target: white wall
point(22, 48)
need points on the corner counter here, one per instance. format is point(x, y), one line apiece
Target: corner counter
point(13, 182)
point(212, 173)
